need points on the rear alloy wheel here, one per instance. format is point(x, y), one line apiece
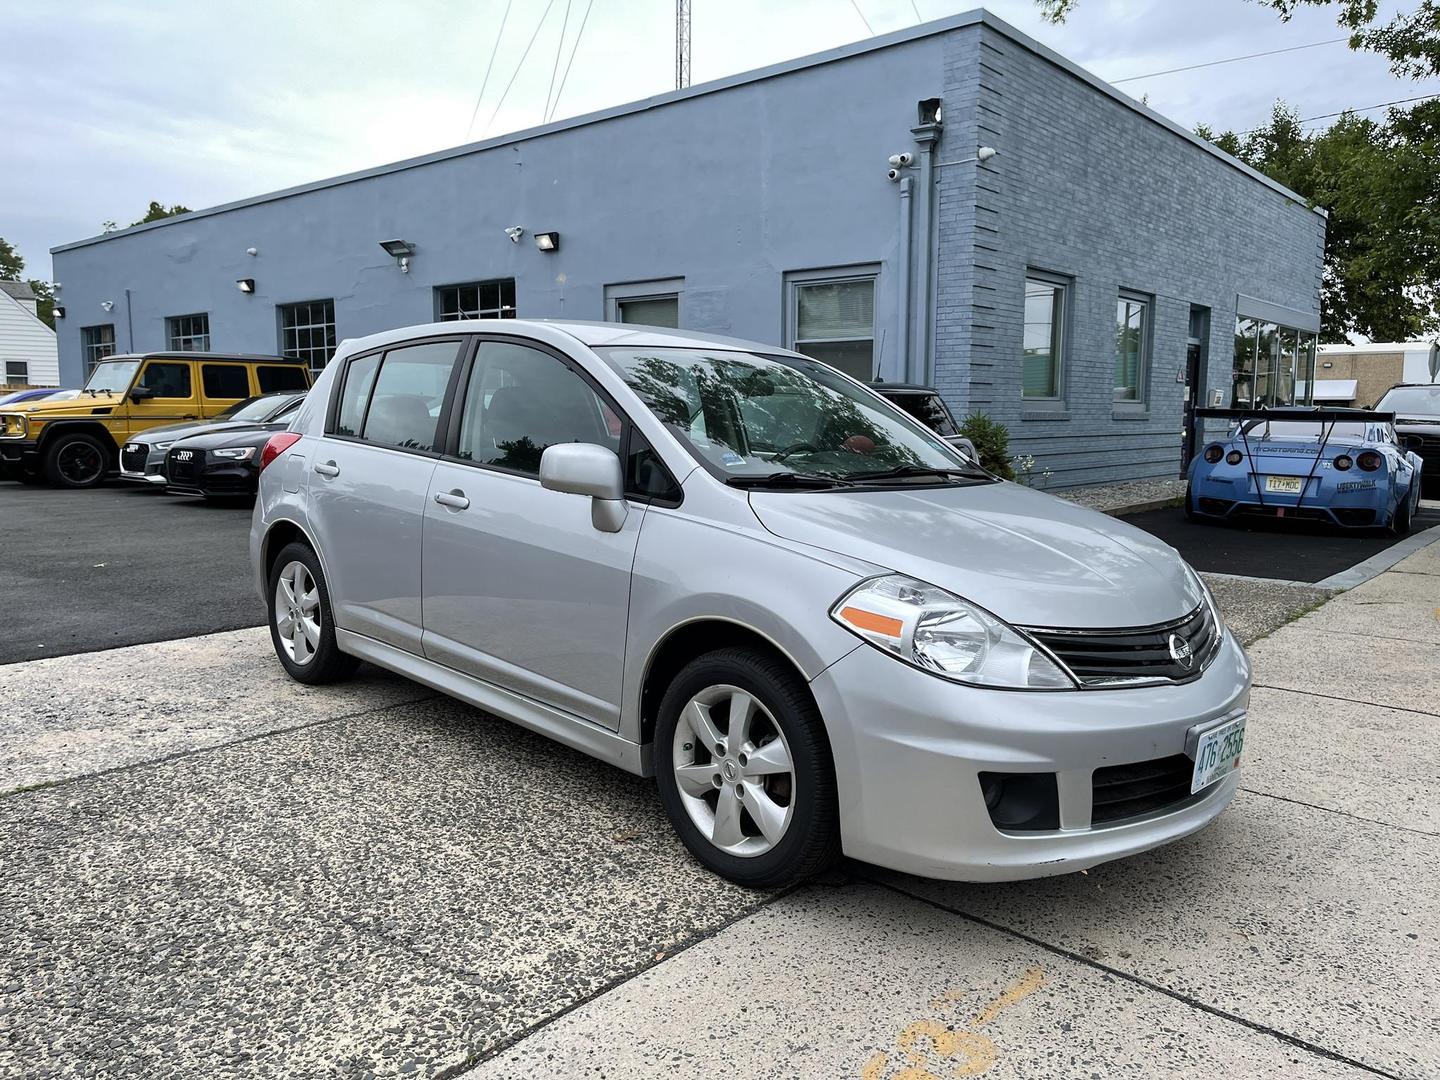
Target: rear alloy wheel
point(745, 770)
point(76, 461)
point(301, 626)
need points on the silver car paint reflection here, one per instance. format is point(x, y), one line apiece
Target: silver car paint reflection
point(550, 640)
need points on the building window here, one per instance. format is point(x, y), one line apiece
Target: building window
point(1043, 345)
point(96, 343)
point(189, 333)
point(1274, 365)
point(307, 332)
point(1132, 334)
point(832, 319)
point(476, 300)
point(17, 373)
point(648, 303)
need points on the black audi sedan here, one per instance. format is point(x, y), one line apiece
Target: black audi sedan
point(142, 459)
point(218, 464)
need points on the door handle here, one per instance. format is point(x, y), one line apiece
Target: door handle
point(454, 499)
point(327, 469)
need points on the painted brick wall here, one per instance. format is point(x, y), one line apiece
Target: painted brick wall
point(1091, 189)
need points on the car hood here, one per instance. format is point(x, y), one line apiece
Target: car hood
point(1030, 558)
point(172, 432)
point(84, 405)
point(236, 435)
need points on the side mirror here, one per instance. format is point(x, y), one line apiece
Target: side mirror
point(140, 393)
point(587, 469)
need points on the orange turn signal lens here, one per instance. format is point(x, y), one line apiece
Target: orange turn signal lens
point(861, 619)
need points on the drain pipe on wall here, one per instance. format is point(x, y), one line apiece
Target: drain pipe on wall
point(902, 300)
point(927, 134)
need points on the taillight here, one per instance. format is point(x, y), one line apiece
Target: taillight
point(1214, 452)
point(278, 444)
point(1369, 461)
point(1343, 462)
point(1234, 457)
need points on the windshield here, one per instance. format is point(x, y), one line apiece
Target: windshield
point(257, 409)
point(112, 376)
point(1282, 429)
point(1411, 401)
point(747, 416)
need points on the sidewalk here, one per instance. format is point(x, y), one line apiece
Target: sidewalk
point(1295, 937)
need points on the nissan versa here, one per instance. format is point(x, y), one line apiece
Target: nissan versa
point(729, 566)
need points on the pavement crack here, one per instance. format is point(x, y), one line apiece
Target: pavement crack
point(1342, 813)
point(1138, 980)
point(194, 751)
point(1346, 700)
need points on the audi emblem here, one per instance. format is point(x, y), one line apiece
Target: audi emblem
point(184, 455)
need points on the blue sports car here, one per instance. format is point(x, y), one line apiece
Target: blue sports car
point(1343, 467)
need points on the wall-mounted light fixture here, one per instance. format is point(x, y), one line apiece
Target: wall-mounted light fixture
point(246, 285)
point(59, 311)
point(401, 250)
point(547, 241)
point(515, 232)
point(929, 112)
point(251, 251)
point(108, 305)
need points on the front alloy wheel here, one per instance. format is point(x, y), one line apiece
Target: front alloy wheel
point(745, 771)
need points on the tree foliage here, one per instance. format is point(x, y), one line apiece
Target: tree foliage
point(1380, 183)
point(159, 210)
point(12, 266)
point(1410, 40)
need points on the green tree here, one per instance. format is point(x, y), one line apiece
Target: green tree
point(1380, 182)
point(1410, 40)
point(12, 266)
point(159, 210)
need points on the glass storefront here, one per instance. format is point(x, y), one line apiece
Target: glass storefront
point(1271, 362)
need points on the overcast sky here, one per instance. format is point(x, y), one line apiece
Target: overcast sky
point(109, 104)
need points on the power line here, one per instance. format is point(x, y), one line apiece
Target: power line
point(488, 68)
point(868, 28)
point(498, 105)
point(918, 17)
point(555, 67)
point(575, 46)
point(1342, 112)
point(1228, 60)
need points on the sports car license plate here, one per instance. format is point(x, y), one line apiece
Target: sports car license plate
point(1217, 753)
point(1285, 485)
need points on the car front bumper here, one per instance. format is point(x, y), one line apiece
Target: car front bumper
point(213, 478)
point(909, 748)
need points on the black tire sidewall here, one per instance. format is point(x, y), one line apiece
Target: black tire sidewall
point(52, 460)
point(329, 663)
point(811, 841)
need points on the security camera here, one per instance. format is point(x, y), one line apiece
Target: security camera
point(514, 232)
point(892, 174)
point(899, 161)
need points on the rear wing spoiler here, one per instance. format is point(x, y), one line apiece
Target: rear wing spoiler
point(1292, 415)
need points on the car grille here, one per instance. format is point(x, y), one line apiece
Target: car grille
point(178, 470)
point(1127, 791)
point(1108, 658)
point(133, 457)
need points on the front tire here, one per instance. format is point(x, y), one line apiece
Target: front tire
point(76, 461)
point(302, 625)
point(745, 770)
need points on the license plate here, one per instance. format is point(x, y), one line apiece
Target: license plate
point(1285, 485)
point(1217, 753)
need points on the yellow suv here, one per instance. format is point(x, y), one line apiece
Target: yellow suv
point(75, 443)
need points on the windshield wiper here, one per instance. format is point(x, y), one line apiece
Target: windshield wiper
point(902, 472)
point(787, 480)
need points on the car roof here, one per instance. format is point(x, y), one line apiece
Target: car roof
point(179, 354)
point(555, 331)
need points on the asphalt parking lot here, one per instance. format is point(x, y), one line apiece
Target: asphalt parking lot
point(214, 872)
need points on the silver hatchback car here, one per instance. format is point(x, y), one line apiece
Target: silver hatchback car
point(731, 567)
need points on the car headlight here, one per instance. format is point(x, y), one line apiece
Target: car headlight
point(940, 633)
point(234, 453)
point(164, 445)
point(14, 425)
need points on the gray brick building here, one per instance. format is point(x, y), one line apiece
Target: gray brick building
point(1051, 253)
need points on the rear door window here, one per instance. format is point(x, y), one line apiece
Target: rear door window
point(355, 394)
point(274, 377)
point(167, 379)
point(225, 381)
point(404, 399)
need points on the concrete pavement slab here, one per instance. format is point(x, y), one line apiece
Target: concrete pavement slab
point(1424, 561)
point(414, 884)
point(1375, 763)
point(1252, 607)
point(1400, 675)
point(1390, 615)
point(69, 716)
point(1316, 925)
point(905, 990)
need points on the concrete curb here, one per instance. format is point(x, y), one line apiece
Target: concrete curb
point(1143, 507)
point(1376, 565)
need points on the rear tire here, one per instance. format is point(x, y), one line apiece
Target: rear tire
point(303, 629)
point(1400, 521)
point(79, 460)
point(758, 805)
point(1190, 514)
